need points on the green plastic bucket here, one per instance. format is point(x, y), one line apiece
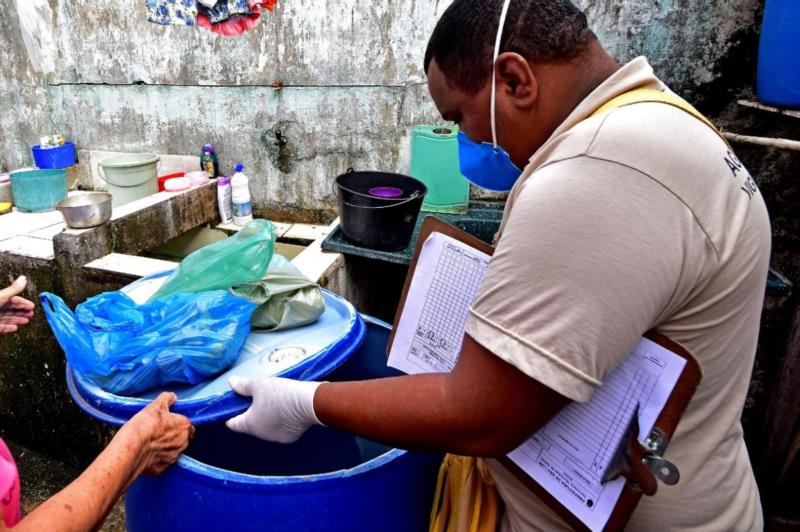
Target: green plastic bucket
point(38, 190)
point(130, 177)
point(434, 161)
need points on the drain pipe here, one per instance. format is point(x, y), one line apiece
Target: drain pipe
point(781, 144)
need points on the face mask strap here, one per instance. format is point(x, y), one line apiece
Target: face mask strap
point(493, 105)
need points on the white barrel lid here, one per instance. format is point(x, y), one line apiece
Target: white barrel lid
point(304, 353)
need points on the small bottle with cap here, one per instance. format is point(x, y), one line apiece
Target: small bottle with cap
point(225, 199)
point(240, 188)
point(208, 160)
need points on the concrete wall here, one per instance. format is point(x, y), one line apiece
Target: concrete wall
point(23, 104)
point(351, 74)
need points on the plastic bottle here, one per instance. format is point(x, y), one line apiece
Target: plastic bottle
point(242, 208)
point(225, 199)
point(208, 160)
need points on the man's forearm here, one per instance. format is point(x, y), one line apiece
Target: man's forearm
point(484, 407)
point(414, 412)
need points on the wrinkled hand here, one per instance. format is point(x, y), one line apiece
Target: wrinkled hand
point(164, 435)
point(15, 311)
point(282, 409)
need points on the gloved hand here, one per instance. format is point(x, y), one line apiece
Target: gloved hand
point(282, 409)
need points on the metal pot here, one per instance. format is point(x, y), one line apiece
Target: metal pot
point(86, 210)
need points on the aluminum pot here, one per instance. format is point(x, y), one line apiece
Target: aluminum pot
point(86, 210)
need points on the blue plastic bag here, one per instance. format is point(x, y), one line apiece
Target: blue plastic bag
point(127, 348)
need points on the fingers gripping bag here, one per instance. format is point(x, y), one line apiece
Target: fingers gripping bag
point(127, 348)
point(240, 259)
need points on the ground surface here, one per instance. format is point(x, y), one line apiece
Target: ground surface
point(41, 477)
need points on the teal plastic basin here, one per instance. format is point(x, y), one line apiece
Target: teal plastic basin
point(38, 190)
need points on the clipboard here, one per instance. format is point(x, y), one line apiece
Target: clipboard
point(631, 450)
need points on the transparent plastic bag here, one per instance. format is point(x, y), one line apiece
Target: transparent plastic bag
point(285, 298)
point(127, 348)
point(239, 259)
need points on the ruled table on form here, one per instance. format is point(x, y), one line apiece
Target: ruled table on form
point(445, 284)
point(440, 331)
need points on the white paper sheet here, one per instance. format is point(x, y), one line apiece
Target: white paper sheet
point(569, 455)
point(445, 283)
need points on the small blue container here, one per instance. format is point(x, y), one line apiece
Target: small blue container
point(779, 54)
point(38, 190)
point(58, 157)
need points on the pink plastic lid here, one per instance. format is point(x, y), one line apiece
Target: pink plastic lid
point(198, 178)
point(177, 184)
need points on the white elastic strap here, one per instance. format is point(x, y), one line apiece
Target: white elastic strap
point(500, 29)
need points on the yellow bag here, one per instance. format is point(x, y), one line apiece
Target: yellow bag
point(466, 498)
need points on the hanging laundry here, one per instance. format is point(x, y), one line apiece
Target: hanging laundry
point(226, 17)
point(237, 23)
point(269, 5)
point(172, 12)
point(228, 9)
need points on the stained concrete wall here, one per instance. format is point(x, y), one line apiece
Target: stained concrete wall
point(351, 76)
point(23, 104)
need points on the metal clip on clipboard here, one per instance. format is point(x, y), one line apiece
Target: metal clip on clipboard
point(642, 465)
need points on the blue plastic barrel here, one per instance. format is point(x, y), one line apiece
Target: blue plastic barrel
point(327, 481)
point(779, 54)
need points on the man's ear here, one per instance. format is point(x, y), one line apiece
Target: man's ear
point(516, 79)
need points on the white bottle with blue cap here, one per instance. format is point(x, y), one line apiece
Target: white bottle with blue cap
point(242, 207)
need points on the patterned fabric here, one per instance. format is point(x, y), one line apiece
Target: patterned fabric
point(172, 12)
point(227, 9)
point(226, 17)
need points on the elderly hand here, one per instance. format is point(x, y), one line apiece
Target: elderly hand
point(163, 435)
point(282, 409)
point(15, 311)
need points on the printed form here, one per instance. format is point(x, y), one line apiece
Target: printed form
point(570, 454)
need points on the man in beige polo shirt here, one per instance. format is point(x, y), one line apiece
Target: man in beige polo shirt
point(633, 219)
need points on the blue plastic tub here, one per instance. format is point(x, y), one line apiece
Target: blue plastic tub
point(327, 481)
point(779, 54)
point(58, 157)
point(38, 190)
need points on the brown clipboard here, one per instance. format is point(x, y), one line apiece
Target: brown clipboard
point(667, 421)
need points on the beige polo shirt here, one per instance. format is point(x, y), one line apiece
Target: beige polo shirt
point(636, 219)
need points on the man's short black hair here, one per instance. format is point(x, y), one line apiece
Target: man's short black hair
point(541, 31)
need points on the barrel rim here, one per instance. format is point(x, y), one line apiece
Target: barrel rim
point(151, 158)
point(207, 471)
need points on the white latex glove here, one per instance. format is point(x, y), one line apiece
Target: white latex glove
point(208, 3)
point(282, 409)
